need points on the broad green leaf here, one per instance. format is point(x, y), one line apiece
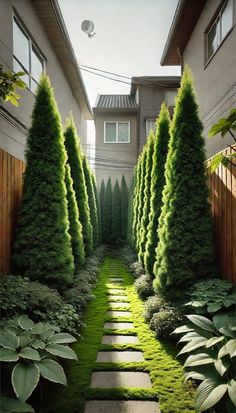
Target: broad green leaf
point(52, 371)
point(189, 336)
point(62, 338)
point(12, 99)
point(201, 322)
point(25, 323)
point(209, 393)
point(216, 161)
point(214, 340)
point(39, 328)
point(194, 375)
point(29, 353)
point(224, 319)
point(193, 345)
point(232, 391)
point(212, 308)
point(12, 329)
point(24, 339)
point(38, 344)
point(7, 354)
point(15, 406)
point(8, 340)
point(227, 332)
point(46, 335)
point(221, 366)
point(182, 329)
point(61, 351)
point(198, 360)
point(228, 348)
point(24, 379)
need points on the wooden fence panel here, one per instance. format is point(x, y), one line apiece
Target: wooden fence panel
point(223, 200)
point(11, 179)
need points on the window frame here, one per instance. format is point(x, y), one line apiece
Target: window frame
point(32, 47)
point(170, 89)
point(116, 123)
point(153, 120)
point(217, 17)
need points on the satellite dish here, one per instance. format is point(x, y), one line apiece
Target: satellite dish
point(87, 27)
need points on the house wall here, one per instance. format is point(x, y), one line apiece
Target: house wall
point(15, 121)
point(117, 155)
point(216, 82)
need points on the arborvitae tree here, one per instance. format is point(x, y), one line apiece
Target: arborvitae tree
point(75, 229)
point(157, 185)
point(42, 249)
point(146, 203)
point(92, 200)
point(102, 202)
point(98, 207)
point(116, 213)
point(107, 216)
point(75, 161)
point(124, 207)
point(135, 202)
point(185, 250)
point(129, 235)
point(141, 196)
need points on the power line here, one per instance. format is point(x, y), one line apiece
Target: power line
point(106, 77)
point(105, 71)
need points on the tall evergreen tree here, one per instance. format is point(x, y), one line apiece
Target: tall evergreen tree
point(107, 215)
point(141, 195)
point(137, 181)
point(102, 202)
point(116, 229)
point(75, 161)
point(91, 200)
point(185, 250)
point(129, 235)
point(124, 207)
point(157, 185)
point(98, 206)
point(75, 229)
point(146, 203)
point(42, 249)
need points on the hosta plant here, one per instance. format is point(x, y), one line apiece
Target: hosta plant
point(32, 349)
point(212, 295)
point(10, 405)
point(211, 349)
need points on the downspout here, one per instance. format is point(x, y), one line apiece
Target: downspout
point(180, 59)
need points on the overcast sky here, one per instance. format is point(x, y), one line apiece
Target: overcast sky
point(130, 37)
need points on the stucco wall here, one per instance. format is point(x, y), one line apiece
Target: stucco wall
point(216, 82)
point(115, 154)
point(13, 140)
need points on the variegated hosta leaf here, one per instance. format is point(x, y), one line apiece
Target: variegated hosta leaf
point(201, 322)
point(193, 345)
point(198, 360)
point(214, 340)
point(228, 348)
point(209, 393)
point(232, 391)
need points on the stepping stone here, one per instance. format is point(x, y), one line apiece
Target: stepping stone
point(119, 339)
point(119, 356)
point(119, 326)
point(121, 406)
point(114, 379)
point(119, 297)
point(116, 279)
point(117, 305)
point(114, 313)
point(120, 291)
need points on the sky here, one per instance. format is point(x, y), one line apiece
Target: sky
point(129, 40)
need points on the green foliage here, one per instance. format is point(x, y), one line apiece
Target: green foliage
point(147, 193)
point(116, 213)
point(211, 349)
point(65, 317)
point(130, 218)
point(92, 201)
point(212, 296)
point(10, 405)
point(42, 249)
point(106, 212)
point(153, 305)
point(143, 286)
point(32, 348)
point(73, 149)
point(185, 251)
point(102, 203)
point(140, 200)
point(135, 206)
point(124, 207)
point(75, 229)
point(97, 206)
point(156, 186)
point(165, 321)
point(9, 82)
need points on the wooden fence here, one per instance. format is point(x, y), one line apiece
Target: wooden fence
point(223, 200)
point(11, 170)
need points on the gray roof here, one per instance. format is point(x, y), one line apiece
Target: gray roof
point(109, 102)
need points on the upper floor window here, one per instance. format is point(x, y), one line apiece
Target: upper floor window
point(170, 95)
point(150, 125)
point(219, 29)
point(26, 56)
point(117, 132)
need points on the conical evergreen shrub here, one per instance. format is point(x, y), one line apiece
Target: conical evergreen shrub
point(75, 161)
point(137, 180)
point(141, 196)
point(97, 206)
point(75, 229)
point(146, 203)
point(185, 250)
point(107, 212)
point(92, 201)
point(124, 207)
point(129, 235)
point(42, 249)
point(102, 202)
point(157, 185)
point(116, 213)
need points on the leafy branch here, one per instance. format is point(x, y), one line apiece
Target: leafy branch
point(9, 82)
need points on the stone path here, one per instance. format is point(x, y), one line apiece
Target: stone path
point(119, 379)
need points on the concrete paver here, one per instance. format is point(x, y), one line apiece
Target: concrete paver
point(119, 356)
point(117, 305)
point(114, 379)
point(118, 326)
point(114, 313)
point(119, 339)
point(121, 406)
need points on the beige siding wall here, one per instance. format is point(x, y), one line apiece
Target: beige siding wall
point(216, 82)
point(13, 135)
point(117, 154)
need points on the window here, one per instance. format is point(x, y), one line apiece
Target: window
point(170, 95)
point(26, 56)
point(150, 124)
point(116, 132)
point(219, 29)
